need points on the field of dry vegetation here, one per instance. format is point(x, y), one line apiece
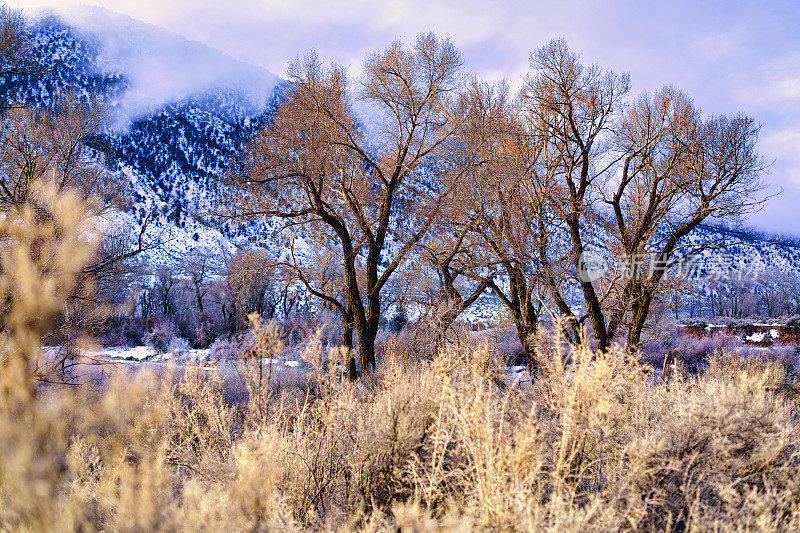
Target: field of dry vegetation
point(599, 446)
point(442, 443)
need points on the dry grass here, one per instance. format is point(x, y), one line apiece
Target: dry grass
point(599, 445)
point(432, 446)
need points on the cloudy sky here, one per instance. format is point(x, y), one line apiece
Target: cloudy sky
point(729, 55)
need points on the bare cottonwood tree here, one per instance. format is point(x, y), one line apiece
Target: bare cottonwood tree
point(165, 289)
point(315, 165)
point(678, 170)
point(570, 108)
point(497, 224)
point(572, 165)
point(51, 143)
point(636, 178)
point(252, 281)
point(199, 265)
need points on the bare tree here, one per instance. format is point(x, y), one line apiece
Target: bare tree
point(497, 223)
point(314, 165)
point(679, 170)
point(51, 143)
point(459, 268)
point(251, 279)
point(165, 287)
point(199, 265)
point(570, 108)
point(50, 146)
point(16, 50)
point(572, 166)
point(779, 293)
point(639, 178)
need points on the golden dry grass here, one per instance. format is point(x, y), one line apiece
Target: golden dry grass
point(436, 445)
point(598, 446)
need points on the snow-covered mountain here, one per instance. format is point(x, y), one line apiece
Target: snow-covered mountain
point(183, 111)
point(179, 110)
point(66, 60)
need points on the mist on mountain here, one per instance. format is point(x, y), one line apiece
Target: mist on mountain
point(161, 66)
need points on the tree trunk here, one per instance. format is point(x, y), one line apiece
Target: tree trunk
point(366, 348)
point(639, 312)
point(444, 323)
point(199, 296)
point(525, 332)
point(525, 320)
point(366, 324)
point(593, 307)
point(347, 343)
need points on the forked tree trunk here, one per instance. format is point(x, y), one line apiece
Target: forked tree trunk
point(526, 319)
point(457, 304)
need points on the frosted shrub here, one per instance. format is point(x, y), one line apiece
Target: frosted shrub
point(691, 351)
point(178, 346)
point(228, 348)
point(160, 337)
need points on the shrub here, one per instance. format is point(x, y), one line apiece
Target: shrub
point(596, 447)
point(230, 347)
point(161, 337)
point(691, 351)
point(178, 346)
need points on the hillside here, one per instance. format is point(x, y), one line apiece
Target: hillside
point(182, 111)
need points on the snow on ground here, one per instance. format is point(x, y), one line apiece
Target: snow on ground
point(145, 353)
point(137, 353)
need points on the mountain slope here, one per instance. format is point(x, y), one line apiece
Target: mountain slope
point(174, 152)
point(66, 60)
point(173, 142)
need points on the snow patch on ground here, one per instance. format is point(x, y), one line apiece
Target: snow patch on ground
point(145, 353)
point(137, 353)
